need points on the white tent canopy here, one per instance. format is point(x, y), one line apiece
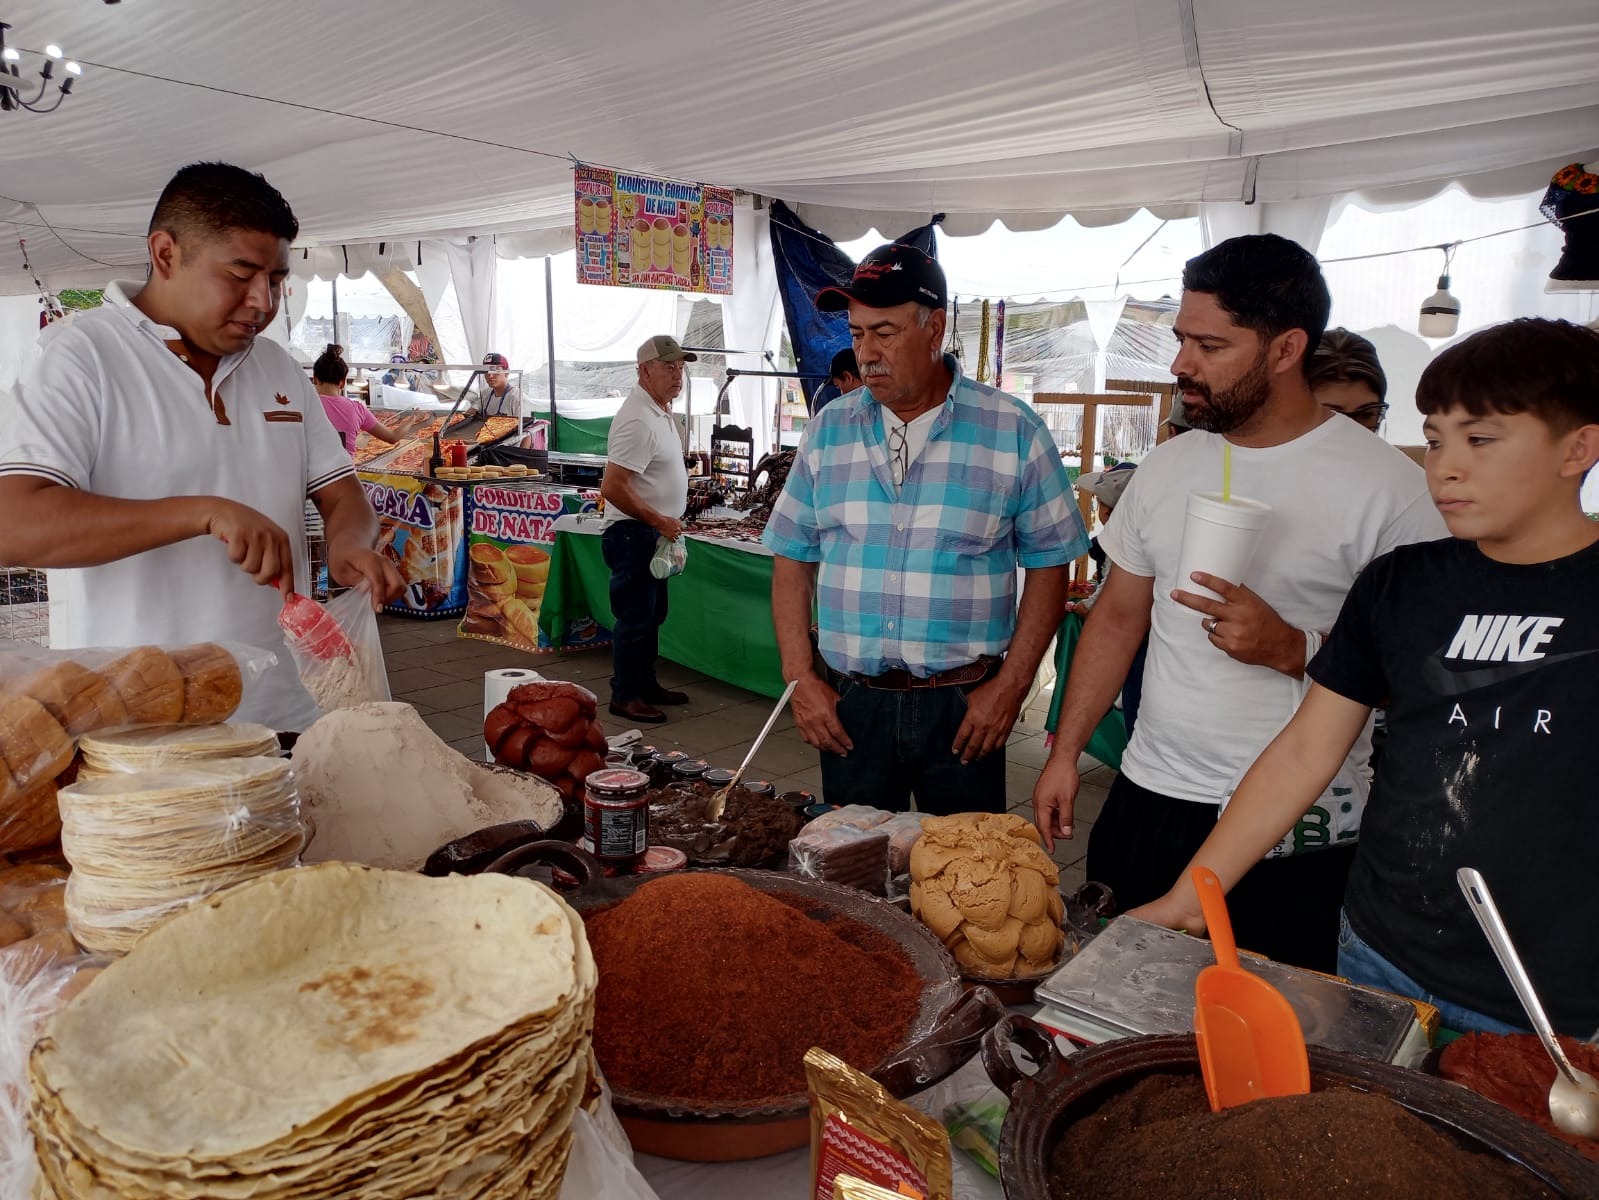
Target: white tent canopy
point(397, 122)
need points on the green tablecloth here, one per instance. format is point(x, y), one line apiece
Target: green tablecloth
point(719, 618)
point(1110, 736)
point(581, 437)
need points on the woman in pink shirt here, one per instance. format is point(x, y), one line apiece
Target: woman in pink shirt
point(351, 418)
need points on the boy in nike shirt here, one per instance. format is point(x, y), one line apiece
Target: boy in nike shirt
point(1485, 648)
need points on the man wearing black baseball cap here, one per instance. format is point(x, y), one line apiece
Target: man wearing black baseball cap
point(911, 503)
point(497, 398)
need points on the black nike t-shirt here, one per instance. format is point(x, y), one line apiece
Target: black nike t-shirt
point(1490, 673)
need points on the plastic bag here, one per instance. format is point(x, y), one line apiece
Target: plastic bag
point(50, 698)
point(596, 1167)
point(35, 984)
point(337, 650)
point(669, 558)
point(844, 854)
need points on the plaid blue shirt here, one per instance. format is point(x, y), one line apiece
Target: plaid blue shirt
point(924, 576)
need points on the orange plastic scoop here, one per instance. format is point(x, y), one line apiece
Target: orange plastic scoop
point(1250, 1042)
point(312, 630)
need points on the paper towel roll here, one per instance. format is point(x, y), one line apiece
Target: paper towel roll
point(497, 686)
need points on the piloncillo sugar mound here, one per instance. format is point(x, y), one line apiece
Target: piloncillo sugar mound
point(1159, 1138)
point(383, 789)
point(712, 991)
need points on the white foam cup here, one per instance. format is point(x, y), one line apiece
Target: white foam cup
point(1219, 538)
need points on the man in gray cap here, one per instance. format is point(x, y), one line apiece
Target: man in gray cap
point(646, 493)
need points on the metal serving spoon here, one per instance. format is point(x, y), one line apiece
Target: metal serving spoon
point(1574, 1095)
point(713, 810)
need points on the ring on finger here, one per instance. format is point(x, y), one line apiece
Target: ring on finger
point(1210, 624)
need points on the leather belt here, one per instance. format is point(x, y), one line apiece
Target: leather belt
point(898, 679)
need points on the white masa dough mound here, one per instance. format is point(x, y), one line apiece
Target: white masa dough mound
point(383, 789)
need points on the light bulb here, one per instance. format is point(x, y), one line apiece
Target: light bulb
point(10, 54)
point(52, 51)
point(73, 68)
point(1440, 313)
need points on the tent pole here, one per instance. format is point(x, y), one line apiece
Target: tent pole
point(549, 331)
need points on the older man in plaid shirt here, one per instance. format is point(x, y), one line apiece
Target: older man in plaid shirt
point(911, 503)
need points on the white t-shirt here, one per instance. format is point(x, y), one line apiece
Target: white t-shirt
point(917, 430)
point(110, 409)
point(1340, 497)
point(647, 440)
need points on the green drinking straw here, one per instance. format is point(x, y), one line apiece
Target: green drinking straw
point(1227, 472)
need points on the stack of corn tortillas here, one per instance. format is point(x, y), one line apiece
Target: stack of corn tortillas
point(327, 1031)
point(124, 750)
point(144, 844)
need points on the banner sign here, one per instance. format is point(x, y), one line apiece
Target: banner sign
point(636, 231)
point(510, 530)
point(422, 530)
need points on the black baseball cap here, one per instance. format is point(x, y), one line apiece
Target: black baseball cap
point(890, 275)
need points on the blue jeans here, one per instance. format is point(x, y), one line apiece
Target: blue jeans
point(1359, 963)
point(902, 748)
point(638, 608)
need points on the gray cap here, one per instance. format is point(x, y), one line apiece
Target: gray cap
point(1107, 486)
point(664, 348)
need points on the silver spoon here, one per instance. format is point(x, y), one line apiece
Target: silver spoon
point(713, 810)
point(1574, 1095)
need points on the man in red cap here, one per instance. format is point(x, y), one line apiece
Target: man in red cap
point(497, 398)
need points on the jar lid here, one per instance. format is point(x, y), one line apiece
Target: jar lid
point(693, 767)
point(759, 786)
point(672, 756)
point(798, 799)
point(661, 858)
point(616, 781)
point(718, 776)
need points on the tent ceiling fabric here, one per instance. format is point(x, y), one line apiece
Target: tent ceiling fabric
point(1019, 110)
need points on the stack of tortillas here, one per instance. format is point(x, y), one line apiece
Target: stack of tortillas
point(126, 750)
point(327, 1031)
point(144, 844)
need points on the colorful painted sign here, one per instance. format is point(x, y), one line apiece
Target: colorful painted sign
point(510, 530)
point(636, 231)
point(421, 528)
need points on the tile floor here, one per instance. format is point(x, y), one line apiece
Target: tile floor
point(442, 675)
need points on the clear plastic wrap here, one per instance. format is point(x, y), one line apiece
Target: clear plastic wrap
point(852, 816)
point(123, 750)
point(144, 844)
point(336, 649)
point(38, 977)
point(50, 698)
point(842, 854)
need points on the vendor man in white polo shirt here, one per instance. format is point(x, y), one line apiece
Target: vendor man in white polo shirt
point(161, 453)
point(646, 493)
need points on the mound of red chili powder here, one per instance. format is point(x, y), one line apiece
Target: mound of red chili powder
point(712, 991)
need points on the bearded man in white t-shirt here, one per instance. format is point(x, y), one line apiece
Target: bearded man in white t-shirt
point(161, 452)
point(1225, 670)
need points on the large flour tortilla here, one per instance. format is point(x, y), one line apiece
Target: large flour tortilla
point(287, 1000)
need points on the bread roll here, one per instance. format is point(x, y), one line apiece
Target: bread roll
point(35, 749)
point(212, 683)
point(78, 698)
point(150, 684)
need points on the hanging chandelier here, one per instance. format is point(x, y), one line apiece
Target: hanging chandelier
point(30, 92)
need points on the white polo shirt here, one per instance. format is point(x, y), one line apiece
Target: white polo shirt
point(111, 409)
point(647, 440)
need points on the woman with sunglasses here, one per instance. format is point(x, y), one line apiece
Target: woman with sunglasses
point(1346, 377)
